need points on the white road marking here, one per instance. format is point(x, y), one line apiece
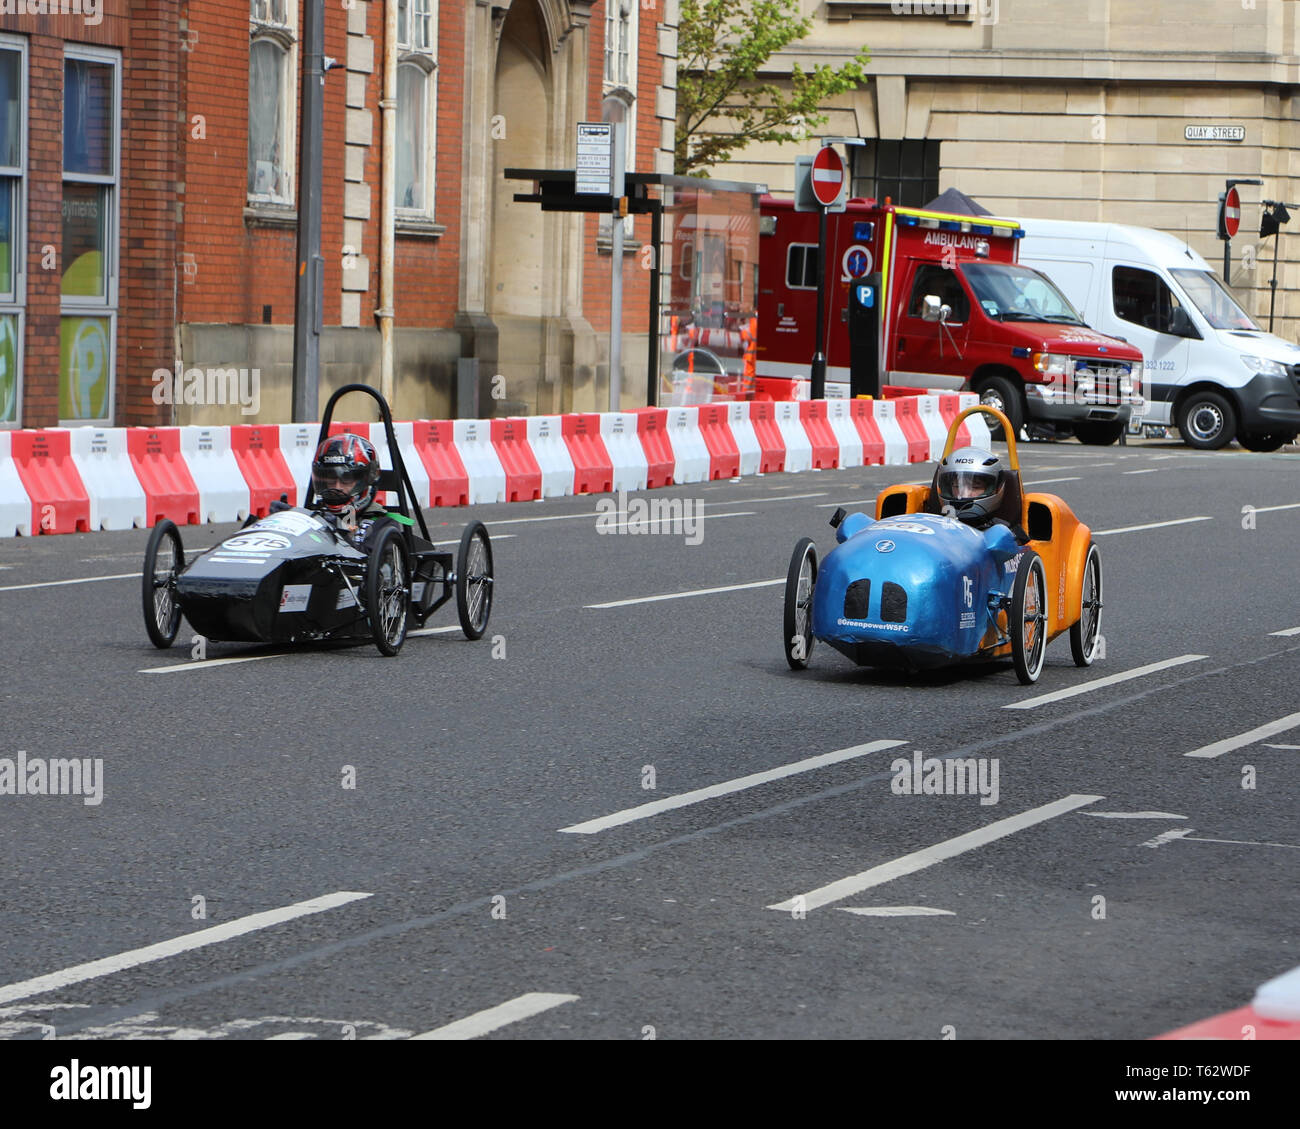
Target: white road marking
point(1274, 509)
point(855, 502)
point(204, 664)
point(107, 966)
point(60, 583)
point(290, 1036)
point(512, 1011)
point(691, 592)
point(1218, 748)
point(1101, 683)
point(898, 911)
point(1050, 481)
point(1133, 815)
point(655, 807)
point(678, 520)
point(1243, 842)
point(1149, 470)
point(1152, 525)
point(928, 856)
point(495, 538)
point(1168, 837)
point(1287, 631)
point(1268, 746)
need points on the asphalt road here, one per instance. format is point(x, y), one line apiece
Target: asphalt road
point(1117, 888)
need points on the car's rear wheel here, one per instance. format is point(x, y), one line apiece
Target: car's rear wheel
point(474, 580)
point(1265, 442)
point(800, 581)
point(164, 561)
point(1206, 420)
point(1027, 620)
point(1001, 393)
point(388, 590)
point(1098, 432)
point(1085, 632)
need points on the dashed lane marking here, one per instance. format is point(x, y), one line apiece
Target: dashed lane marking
point(1228, 744)
point(205, 664)
point(107, 966)
point(726, 788)
point(1101, 683)
point(691, 592)
point(512, 1011)
point(897, 911)
point(928, 856)
point(1151, 525)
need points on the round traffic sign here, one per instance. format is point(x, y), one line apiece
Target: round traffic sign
point(827, 176)
point(1232, 212)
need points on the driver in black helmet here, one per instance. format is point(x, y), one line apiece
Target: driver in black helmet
point(971, 483)
point(345, 482)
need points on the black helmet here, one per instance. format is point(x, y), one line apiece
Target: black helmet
point(971, 480)
point(345, 472)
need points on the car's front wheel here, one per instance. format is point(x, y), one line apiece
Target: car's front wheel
point(164, 561)
point(388, 590)
point(800, 580)
point(1027, 620)
point(1207, 421)
point(1085, 632)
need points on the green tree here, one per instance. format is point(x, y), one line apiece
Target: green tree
point(722, 106)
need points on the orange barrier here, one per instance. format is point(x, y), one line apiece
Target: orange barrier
point(873, 443)
point(593, 470)
point(652, 430)
point(762, 414)
point(724, 454)
point(256, 448)
point(60, 503)
point(523, 474)
point(825, 447)
point(448, 479)
point(907, 412)
point(169, 488)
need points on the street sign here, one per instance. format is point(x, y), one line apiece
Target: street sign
point(855, 262)
point(594, 169)
point(827, 176)
point(1231, 212)
point(1214, 133)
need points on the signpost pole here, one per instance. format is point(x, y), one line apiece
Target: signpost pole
point(818, 391)
point(619, 142)
point(309, 281)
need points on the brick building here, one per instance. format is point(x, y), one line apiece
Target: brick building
point(148, 219)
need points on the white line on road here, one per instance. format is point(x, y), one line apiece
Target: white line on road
point(1101, 683)
point(1148, 470)
point(1133, 815)
point(854, 502)
point(60, 583)
point(214, 934)
point(1168, 837)
point(642, 522)
point(928, 856)
point(645, 811)
point(1274, 509)
point(205, 664)
point(512, 1011)
point(1268, 746)
point(691, 592)
point(1287, 631)
point(1051, 481)
point(1243, 842)
point(1152, 525)
point(898, 911)
point(1281, 725)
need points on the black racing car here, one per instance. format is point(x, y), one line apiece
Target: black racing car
point(295, 576)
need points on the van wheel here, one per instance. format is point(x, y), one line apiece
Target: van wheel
point(1098, 433)
point(999, 392)
point(1265, 442)
point(1207, 421)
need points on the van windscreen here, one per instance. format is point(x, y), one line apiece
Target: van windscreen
point(1211, 297)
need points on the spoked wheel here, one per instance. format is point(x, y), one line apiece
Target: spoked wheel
point(1087, 630)
point(388, 590)
point(164, 561)
point(799, 584)
point(1027, 620)
point(474, 580)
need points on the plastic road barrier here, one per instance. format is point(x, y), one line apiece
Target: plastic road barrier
point(894, 439)
point(626, 455)
point(60, 503)
point(762, 417)
point(487, 477)
point(839, 416)
point(715, 427)
point(690, 452)
point(932, 420)
point(863, 415)
point(404, 432)
point(169, 488)
point(256, 448)
point(652, 430)
point(742, 431)
point(15, 505)
point(825, 449)
point(116, 496)
point(298, 449)
point(909, 421)
point(223, 493)
point(448, 478)
point(546, 439)
point(523, 475)
point(798, 447)
point(593, 471)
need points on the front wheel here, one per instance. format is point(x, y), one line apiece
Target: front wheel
point(1085, 632)
point(164, 561)
point(1265, 442)
point(1207, 421)
point(1098, 433)
point(388, 590)
point(1027, 620)
point(1001, 393)
point(474, 580)
point(800, 581)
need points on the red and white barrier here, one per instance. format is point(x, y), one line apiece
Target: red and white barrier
point(690, 452)
point(798, 447)
point(742, 430)
point(487, 477)
point(891, 434)
point(976, 426)
point(932, 420)
point(909, 422)
point(298, 448)
point(873, 443)
point(593, 470)
point(762, 416)
point(523, 474)
point(116, 496)
point(256, 448)
point(825, 448)
point(169, 488)
point(60, 503)
point(839, 416)
point(546, 440)
point(1274, 1013)
point(404, 433)
point(15, 505)
point(436, 449)
point(652, 430)
point(715, 428)
point(623, 445)
point(223, 492)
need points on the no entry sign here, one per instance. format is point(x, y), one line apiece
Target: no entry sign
point(1231, 212)
point(827, 176)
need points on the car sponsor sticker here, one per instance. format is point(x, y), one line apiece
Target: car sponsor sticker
point(256, 542)
point(294, 598)
point(906, 526)
point(346, 600)
point(294, 524)
point(842, 622)
point(967, 620)
point(417, 591)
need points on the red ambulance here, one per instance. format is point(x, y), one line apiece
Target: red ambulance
point(959, 312)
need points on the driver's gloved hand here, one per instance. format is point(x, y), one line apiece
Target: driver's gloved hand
point(281, 504)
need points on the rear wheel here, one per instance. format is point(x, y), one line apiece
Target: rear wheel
point(164, 561)
point(1086, 631)
point(1265, 442)
point(1001, 393)
point(800, 581)
point(388, 590)
point(1206, 420)
point(1098, 432)
point(474, 580)
point(1027, 620)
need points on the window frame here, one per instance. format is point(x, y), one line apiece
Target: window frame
point(286, 37)
point(789, 255)
point(422, 220)
point(897, 177)
point(107, 306)
point(14, 303)
point(929, 270)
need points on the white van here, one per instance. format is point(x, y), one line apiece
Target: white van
point(1210, 370)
